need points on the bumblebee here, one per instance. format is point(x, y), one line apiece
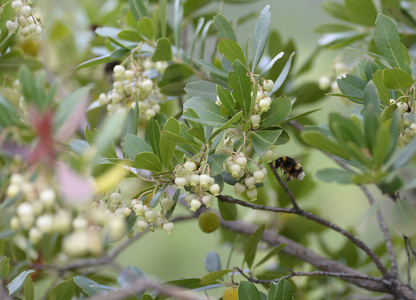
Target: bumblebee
point(290, 167)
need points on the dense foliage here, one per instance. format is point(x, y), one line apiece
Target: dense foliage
point(198, 130)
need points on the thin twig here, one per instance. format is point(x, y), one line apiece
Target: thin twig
point(284, 185)
point(406, 246)
point(385, 231)
point(144, 283)
point(315, 218)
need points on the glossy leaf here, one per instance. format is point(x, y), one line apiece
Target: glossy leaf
point(361, 11)
point(396, 79)
point(228, 124)
point(175, 73)
point(231, 50)
point(263, 139)
point(29, 289)
point(228, 210)
point(213, 277)
point(17, 283)
point(163, 51)
point(405, 154)
point(248, 291)
point(209, 113)
point(224, 28)
point(4, 267)
point(383, 91)
point(269, 255)
point(212, 262)
point(270, 64)
point(216, 163)
point(332, 28)
point(352, 85)
point(94, 62)
point(133, 145)
point(226, 99)
point(387, 39)
point(317, 140)
point(167, 145)
point(334, 175)
point(281, 290)
point(139, 9)
point(130, 35)
point(211, 68)
point(261, 33)
point(153, 136)
point(250, 248)
point(241, 87)
point(62, 291)
point(205, 89)
point(145, 26)
point(148, 161)
point(283, 75)
point(278, 111)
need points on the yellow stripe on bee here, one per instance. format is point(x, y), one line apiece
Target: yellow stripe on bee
point(298, 166)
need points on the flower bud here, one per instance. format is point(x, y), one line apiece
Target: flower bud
point(258, 176)
point(115, 198)
point(26, 10)
point(241, 161)
point(252, 194)
point(12, 190)
point(324, 82)
point(207, 200)
point(168, 227)
point(80, 223)
point(17, 5)
point(116, 228)
point(268, 85)
point(47, 197)
point(402, 107)
point(239, 188)
point(204, 180)
point(180, 182)
point(194, 179)
point(147, 85)
point(12, 26)
point(190, 166)
point(255, 121)
point(45, 223)
point(214, 189)
point(250, 182)
point(189, 198)
point(35, 235)
point(150, 215)
point(119, 71)
point(235, 169)
point(195, 204)
point(142, 225)
point(167, 203)
point(14, 223)
point(129, 75)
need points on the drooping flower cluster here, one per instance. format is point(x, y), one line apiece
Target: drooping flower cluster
point(338, 70)
point(25, 20)
point(139, 81)
point(200, 185)
point(149, 217)
point(406, 110)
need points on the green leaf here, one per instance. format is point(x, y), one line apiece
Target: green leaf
point(269, 255)
point(167, 145)
point(11, 64)
point(333, 28)
point(361, 11)
point(209, 113)
point(205, 89)
point(17, 283)
point(371, 114)
point(29, 289)
point(173, 89)
point(263, 139)
point(146, 28)
point(155, 200)
point(148, 161)
point(153, 136)
point(107, 32)
point(88, 286)
point(281, 290)
point(175, 199)
point(211, 68)
point(94, 62)
point(226, 99)
point(212, 277)
point(71, 105)
point(8, 114)
point(224, 28)
point(130, 35)
point(279, 110)
point(133, 145)
point(396, 79)
point(212, 262)
point(316, 139)
point(62, 291)
point(352, 85)
point(139, 9)
point(231, 50)
point(250, 248)
point(33, 88)
point(228, 210)
point(229, 123)
point(261, 33)
point(248, 291)
point(4, 267)
point(335, 9)
point(383, 92)
point(404, 217)
point(283, 75)
point(387, 39)
point(270, 64)
point(162, 18)
point(216, 163)
point(177, 22)
point(175, 73)
point(241, 87)
point(405, 154)
point(163, 51)
point(334, 175)
point(190, 283)
point(179, 138)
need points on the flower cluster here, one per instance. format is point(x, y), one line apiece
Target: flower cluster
point(25, 19)
point(129, 83)
point(338, 70)
point(408, 124)
point(200, 185)
point(263, 102)
point(150, 218)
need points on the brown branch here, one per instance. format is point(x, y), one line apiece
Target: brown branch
point(386, 233)
point(284, 185)
point(391, 286)
point(317, 219)
point(144, 283)
point(106, 258)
